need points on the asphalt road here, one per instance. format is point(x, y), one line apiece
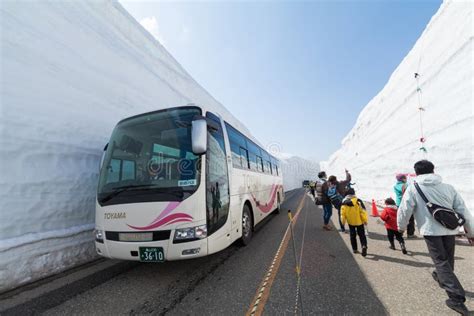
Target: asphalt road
point(222, 283)
point(333, 281)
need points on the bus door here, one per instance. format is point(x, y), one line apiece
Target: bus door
point(217, 188)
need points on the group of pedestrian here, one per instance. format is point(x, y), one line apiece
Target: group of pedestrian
point(330, 192)
point(436, 207)
point(350, 209)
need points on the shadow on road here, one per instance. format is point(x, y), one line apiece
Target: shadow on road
point(377, 236)
point(332, 282)
point(399, 261)
point(469, 294)
point(463, 243)
point(424, 254)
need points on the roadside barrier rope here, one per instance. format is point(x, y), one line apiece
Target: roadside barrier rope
point(298, 262)
point(298, 287)
point(263, 291)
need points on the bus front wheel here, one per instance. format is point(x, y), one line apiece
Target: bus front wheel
point(247, 225)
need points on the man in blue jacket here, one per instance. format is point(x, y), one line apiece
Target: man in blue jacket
point(439, 239)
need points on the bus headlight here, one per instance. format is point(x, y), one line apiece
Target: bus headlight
point(190, 233)
point(99, 235)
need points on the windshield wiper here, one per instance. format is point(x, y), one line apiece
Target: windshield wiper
point(119, 190)
point(173, 191)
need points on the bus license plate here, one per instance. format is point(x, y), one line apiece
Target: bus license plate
point(151, 254)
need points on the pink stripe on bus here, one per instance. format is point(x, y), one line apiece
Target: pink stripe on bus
point(165, 221)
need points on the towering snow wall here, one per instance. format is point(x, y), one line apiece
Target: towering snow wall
point(70, 70)
point(386, 137)
point(296, 169)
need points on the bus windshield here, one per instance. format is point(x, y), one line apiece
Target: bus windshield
point(149, 158)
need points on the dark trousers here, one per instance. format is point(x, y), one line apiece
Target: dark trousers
point(411, 226)
point(392, 234)
point(441, 249)
point(340, 222)
point(338, 204)
point(357, 230)
point(327, 208)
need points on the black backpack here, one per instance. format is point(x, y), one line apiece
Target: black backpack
point(443, 215)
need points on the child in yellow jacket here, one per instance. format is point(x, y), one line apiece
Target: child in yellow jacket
point(353, 212)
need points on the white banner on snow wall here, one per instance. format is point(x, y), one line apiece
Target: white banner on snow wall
point(385, 138)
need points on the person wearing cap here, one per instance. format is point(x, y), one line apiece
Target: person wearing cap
point(399, 189)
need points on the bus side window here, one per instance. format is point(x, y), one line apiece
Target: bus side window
point(275, 165)
point(237, 144)
point(253, 161)
point(259, 164)
point(236, 160)
point(268, 166)
point(244, 158)
point(255, 156)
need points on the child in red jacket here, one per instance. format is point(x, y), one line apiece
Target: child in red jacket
point(389, 216)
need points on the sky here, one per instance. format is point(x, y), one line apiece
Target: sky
point(296, 73)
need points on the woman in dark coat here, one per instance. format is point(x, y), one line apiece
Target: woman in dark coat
point(323, 200)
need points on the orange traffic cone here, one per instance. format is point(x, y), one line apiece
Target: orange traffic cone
point(375, 212)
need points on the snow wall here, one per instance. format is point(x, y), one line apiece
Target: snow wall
point(386, 137)
point(70, 70)
point(296, 169)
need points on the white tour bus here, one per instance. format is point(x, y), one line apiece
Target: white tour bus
point(181, 183)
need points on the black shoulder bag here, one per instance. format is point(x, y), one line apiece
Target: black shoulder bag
point(443, 215)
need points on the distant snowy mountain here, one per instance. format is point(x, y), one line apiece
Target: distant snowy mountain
point(387, 137)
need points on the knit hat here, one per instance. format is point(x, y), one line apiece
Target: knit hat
point(401, 177)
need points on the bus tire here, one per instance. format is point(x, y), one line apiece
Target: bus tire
point(277, 211)
point(247, 226)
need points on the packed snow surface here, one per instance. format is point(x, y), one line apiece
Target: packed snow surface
point(386, 137)
point(70, 70)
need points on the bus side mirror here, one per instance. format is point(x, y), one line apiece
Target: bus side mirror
point(103, 155)
point(199, 136)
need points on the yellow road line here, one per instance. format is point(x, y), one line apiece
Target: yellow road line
point(263, 291)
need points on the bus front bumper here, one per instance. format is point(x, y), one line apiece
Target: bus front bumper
point(130, 250)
